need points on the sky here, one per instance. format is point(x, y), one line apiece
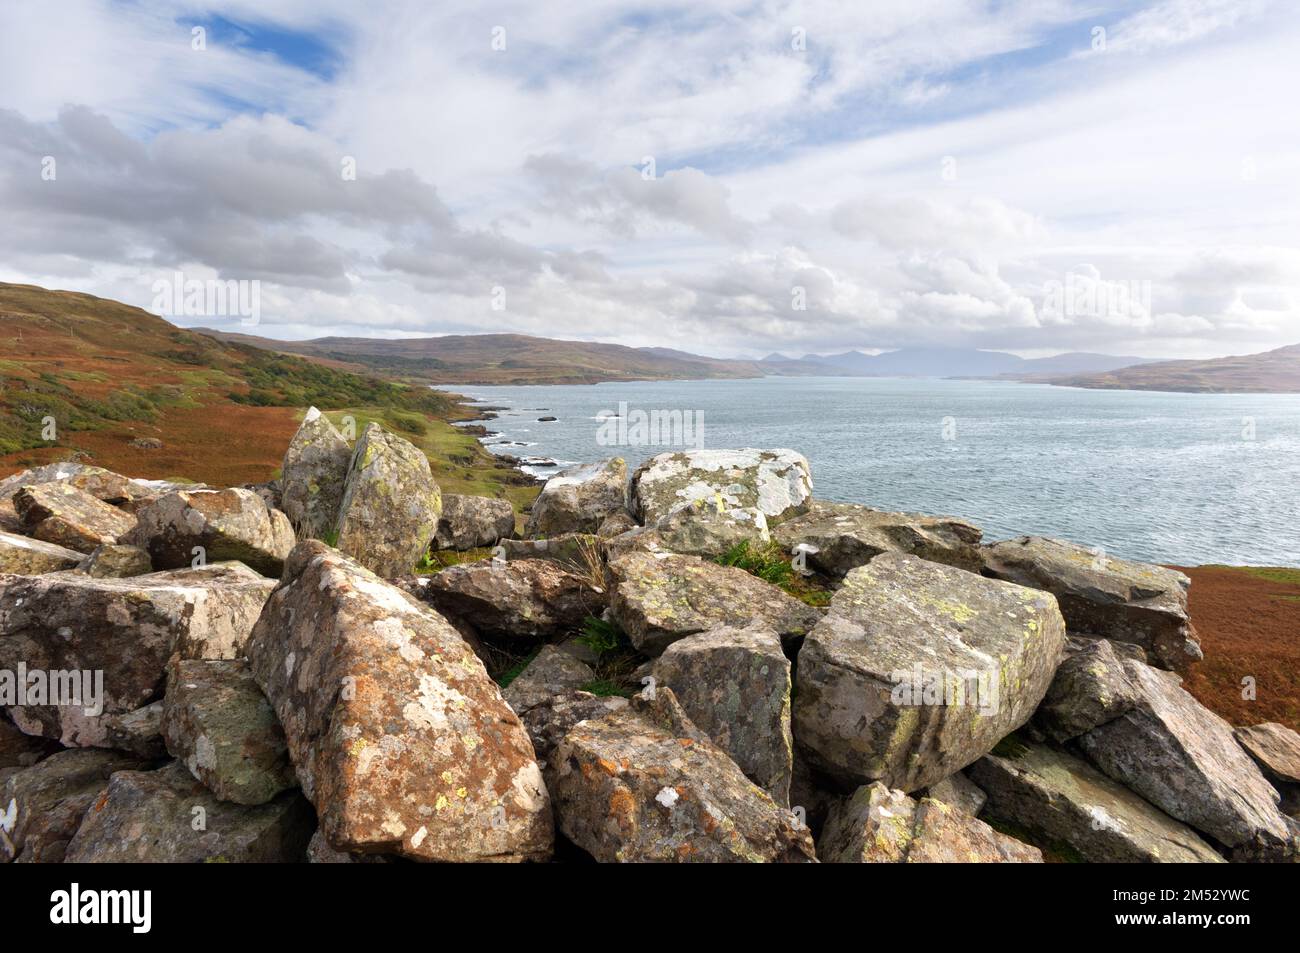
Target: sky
point(727, 178)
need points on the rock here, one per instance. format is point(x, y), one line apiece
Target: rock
point(960, 792)
point(1183, 758)
point(167, 817)
point(552, 672)
point(468, 522)
point(125, 629)
point(882, 826)
point(659, 598)
point(319, 851)
point(776, 482)
point(21, 750)
point(580, 499)
point(837, 537)
point(391, 504)
point(398, 736)
point(616, 524)
point(697, 529)
point(211, 526)
point(138, 732)
point(146, 443)
point(549, 721)
point(1275, 748)
point(1067, 802)
point(313, 475)
point(103, 485)
point(31, 557)
point(642, 784)
point(43, 805)
point(1091, 688)
point(734, 684)
point(116, 561)
point(518, 599)
point(217, 722)
point(577, 552)
point(62, 514)
point(919, 669)
point(1103, 597)
point(9, 521)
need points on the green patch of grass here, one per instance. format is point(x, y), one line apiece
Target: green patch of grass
point(1011, 747)
point(602, 637)
point(767, 561)
point(330, 537)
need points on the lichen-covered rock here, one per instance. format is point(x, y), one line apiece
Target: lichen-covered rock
point(697, 529)
point(167, 817)
point(319, 851)
point(576, 552)
point(217, 722)
point(960, 792)
point(1104, 597)
point(190, 527)
point(837, 537)
point(553, 672)
point(549, 721)
point(919, 669)
point(397, 734)
point(1090, 688)
point(103, 485)
point(313, 475)
point(138, 732)
point(878, 825)
point(116, 561)
point(468, 522)
point(31, 557)
point(642, 784)
point(580, 499)
point(735, 685)
point(65, 515)
point(776, 482)
point(1183, 758)
point(42, 806)
point(1276, 748)
point(125, 629)
point(659, 598)
point(523, 598)
point(391, 504)
point(1067, 802)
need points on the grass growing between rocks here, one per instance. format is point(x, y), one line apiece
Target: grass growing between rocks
point(770, 562)
point(616, 660)
point(436, 560)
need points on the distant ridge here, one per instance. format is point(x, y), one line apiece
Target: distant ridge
point(1272, 372)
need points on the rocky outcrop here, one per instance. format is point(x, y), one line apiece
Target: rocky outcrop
point(32, 557)
point(882, 826)
point(641, 784)
point(191, 527)
point(838, 537)
point(1275, 748)
point(217, 722)
point(549, 721)
point(468, 522)
point(919, 669)
point(734, 684)
point(553, 672)
point(116, 561)
point(391, 504)
point(167, 817)
point(1070, 804)
point(1091, 687)
point(103, 485)
point(313, 475)
point(1103, 597)
point(519, 599)
point(397, 734)
point(778, 483)
point(580, 499)
point(659, 598)
point(67, 516)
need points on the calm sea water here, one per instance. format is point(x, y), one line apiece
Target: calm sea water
point(1173, 478)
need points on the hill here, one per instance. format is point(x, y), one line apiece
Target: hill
point(1276, 371)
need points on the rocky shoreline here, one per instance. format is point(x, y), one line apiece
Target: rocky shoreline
point(697, 661)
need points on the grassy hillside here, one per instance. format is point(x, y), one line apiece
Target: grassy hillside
point(1273, 372)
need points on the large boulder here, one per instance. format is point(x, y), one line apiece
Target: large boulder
point(919, 669)
point(776, 482)
point(642, 784)
point(391, 504)
point(1074, 807)
point(103, 485)
point(524, 598)
point(837, 537)
point(1104, 597)
point(313, 475)
point(65, 515)
point(878, 825)
point(398, 736)
point(1276, 748)
point(735, 685)
point(659, 598)
point(698, 529)
point(217, 722)
point(580, 499)
point(190, 527)
point(32, 557)
point(116, 561)
point(167, 817)
point(1091, 687)
point(468, 522)
point(123, 629)
point(1183, 758)
point(42, 806)
point(553, 672)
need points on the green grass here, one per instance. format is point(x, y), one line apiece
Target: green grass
point(436, 560)
point(514, 671)
point(770, 562)
point(602, 637)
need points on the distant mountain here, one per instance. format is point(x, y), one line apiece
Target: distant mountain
point(1276, 371)
point(963, 362)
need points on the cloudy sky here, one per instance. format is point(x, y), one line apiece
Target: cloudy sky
point(730, 178)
